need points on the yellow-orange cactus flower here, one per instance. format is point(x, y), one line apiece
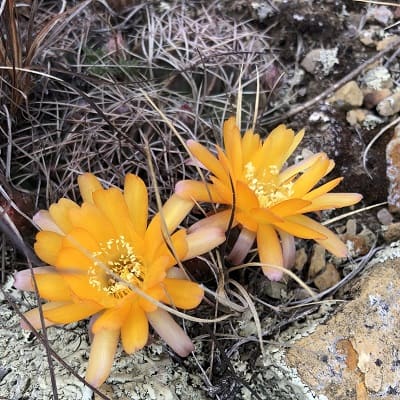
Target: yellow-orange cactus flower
point(95, 251)
point(269, 199)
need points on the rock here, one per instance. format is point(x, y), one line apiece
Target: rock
point(367, 37)
point(350, 94)
point(320, 59)
point(382, 44)
point(378, 78)
point(301, 259)
point(389, 106)
point(327, 278)
point(381, 14)
point(355, 354)
point(384, 216)
point(372, 98)
point(318, 116)
point(392, 233)
point(358, 244)
point(371, 121)
point(356, 117)
point(393, 170)
point(311, 60)
point(317, 262)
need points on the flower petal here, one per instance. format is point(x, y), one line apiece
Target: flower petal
point(198, 191)
point(156, 292)
point(325, 188)
point(246, 219)
point(176, 273)
point(270, 251)
point(47, 246)
point(203, 240)
point(173, 212)
point(297, 226)
point(245, 197)
point(135, 330)
point(331, 241)
point(88, 184)
point(311, 176)
point(157, 271)
point(288, 248)
point(59, 212)
point(218, 220)
point(332, 200)
point(299, 167)
point(207, 159)
point(112, 204)
point(179, 246)
point(274, 151)
point(101, 357)
point(81, 240)
point(33, 316)
point(242, 246)
point(71, 312)
point(264, 216)
point(112, 318)
point(182, 293)
point(90, 218)
point(290, 207)
point(75, 268)
point(296, 141)
point(52, 286)
point(170, 332)
point(45, 222)
point(250, 144)
point(233, 145)
point(136, 199)
point(23, 279)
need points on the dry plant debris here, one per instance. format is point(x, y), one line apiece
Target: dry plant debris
point(80, 103)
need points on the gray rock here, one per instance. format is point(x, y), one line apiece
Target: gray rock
point(355, 354)
point(389, 106)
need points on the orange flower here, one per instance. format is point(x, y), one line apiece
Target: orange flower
point(100, 254)
point(269, 199)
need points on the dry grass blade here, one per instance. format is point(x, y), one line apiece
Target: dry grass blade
point(11, 52)
point(13, 40)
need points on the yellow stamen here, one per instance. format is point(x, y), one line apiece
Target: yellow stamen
point(119, 256)
point(266, 186)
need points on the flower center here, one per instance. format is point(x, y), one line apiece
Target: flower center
point(119, 257)
point(266, 186)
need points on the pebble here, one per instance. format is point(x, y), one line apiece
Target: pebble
point(366, 37)
point(393, 170)
point(358, 243)
point(311, 60)
point(389, 106)
point(372, 98)
point(320, 59)
point(378, 78)
point(301, 259)
point(381, 14)
point(317, 262)
point(356, 116)
point(327, 278)
point(382, 44)
point(392, 233)
point(350, 94)
point(384, 216)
